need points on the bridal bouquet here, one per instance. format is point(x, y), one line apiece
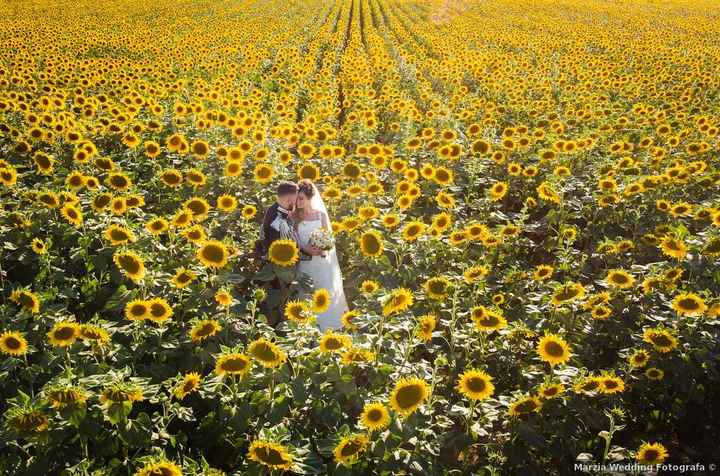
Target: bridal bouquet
point(321, 238)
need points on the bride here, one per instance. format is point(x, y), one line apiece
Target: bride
point(323, 267)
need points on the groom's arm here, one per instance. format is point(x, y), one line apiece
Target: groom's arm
point(270, 234)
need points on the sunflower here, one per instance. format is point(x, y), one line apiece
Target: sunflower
point(356, 355)
point(371, 244)
point(425, 327)
point(689, 304)
point(639, 358)
point(118, 206)
point(390, 220)
point(397, 301)
point(64, 333)
point(651, 453)
point(272, 455)
point(610, 384)
point(654, 373)
point(266, 353)
point(195, 234)
point(348, 320)
point(62, 397)
point(118, 181)
point(200, 149)
point(375, 416)
point(137, 310)
point(198, 206)
point(234, 363)
point(320, 301)
point(171, 177)
point(601, 312)
point(13, 343)
point(619, 278)
point(349, 448)
point(498, 191)
point(39, 246)
point(223, 298)
point(475, 384)
point(567, 292)
point(524, 406)
point(298, 311)
point(332, 342)
point(248, 212)
point(159, 310)
point(413, 230)
point(543, 272)
point(553, 349)
point(190, 383)
point(94, 333)
point(204, 329)
point(408, 395)
point(661, 339)
point(369, 286)
point(588, 384)
point(441, 222)
point(213, 254)
point(27, 299)
point(489, 320)
point(130, 264)
point(119, 235)
point(551, 390)
point(263, 173)
point(283, 252)
point(183, 277)
point(443, 176)
point(437, 287)
point(475, 273)
point(673, 248)
point(72, 214)
point(308, 170)
point(160, 467)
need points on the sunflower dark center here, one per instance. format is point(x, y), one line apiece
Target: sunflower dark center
point(689, 304)
point(526, 407)
point(12, 343)
point(270, 456)
point(213, 253)
point(235, 364)
point(129, 264)
point(333, 344)
point(264, 352)
point(350, 448)
point(554, 349)
point(661, 340)
point(409, 396)
point(476, 384)
point(374, 415)
point(65, 333)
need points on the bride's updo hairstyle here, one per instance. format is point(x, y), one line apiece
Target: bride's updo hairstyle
point(305, 187)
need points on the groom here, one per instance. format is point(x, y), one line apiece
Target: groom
point(277, 225)
point(276, 222)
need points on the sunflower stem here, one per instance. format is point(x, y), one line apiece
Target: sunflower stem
point(272, 390)
point(468, 421)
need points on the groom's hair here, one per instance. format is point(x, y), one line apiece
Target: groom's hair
point(286, 188)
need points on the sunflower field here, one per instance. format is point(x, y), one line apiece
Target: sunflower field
point(525, 196)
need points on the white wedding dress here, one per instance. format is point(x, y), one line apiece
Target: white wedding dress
point(325, 273)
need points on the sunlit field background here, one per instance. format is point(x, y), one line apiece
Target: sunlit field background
point(525, 197)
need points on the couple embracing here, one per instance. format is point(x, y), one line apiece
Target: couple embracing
point(299, 214)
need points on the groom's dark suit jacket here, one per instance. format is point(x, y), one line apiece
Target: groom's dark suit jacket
point(271, 230)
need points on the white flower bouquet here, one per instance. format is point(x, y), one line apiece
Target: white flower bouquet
point(322, 239)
